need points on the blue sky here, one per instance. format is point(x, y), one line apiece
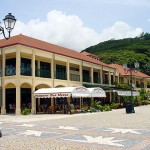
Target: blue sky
point(78, 24)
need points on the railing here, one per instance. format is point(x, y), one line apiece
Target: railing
point(45, 73)
point(27, 71)
point(86, 79)
point(97, 80)
point(105, 81)
point(60, 75)
point(10, 71)
point(42, 73)
point(112, 82)
point(74, 77)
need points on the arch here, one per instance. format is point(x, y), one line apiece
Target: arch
point(10, 85)
point(25, 85)
point(59, 86)
point(42, 86)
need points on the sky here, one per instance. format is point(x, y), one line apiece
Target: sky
point(78, 24)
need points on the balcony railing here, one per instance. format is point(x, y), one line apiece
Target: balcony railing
point(86, 78)
point(26, 71)
point(42, 73)
point(60, 75)
point(74, 77)
point(97, 80)
point(10, 71)
point(113, 82)
point(105, 81)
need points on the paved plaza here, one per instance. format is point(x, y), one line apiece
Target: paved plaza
point(113, 130)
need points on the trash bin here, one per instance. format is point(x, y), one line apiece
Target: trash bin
point(129, 107)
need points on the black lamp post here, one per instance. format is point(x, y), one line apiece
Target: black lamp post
point(9, 22)
point(130, 69)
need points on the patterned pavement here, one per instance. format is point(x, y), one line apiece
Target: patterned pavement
point(57, 135)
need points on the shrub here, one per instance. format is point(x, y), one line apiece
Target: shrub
point(107, 108)
point(99, 107)
point(115, 105)
point(92, 109)
point(26, 111)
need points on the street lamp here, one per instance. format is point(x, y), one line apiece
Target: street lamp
point(9, 22)
point(130, 105)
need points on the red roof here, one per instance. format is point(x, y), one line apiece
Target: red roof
point(45, 46)
point(124, 73)
point(88, 54)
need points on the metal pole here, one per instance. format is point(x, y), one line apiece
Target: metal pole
point(131, 88)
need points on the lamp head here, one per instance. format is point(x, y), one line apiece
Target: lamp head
point(136, 64)
point(9, 22)
point(124, 66)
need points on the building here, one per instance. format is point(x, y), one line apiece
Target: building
point(139, 79)
point(29, 64)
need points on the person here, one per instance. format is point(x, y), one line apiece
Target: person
point(11, 108)
point(71, 106)
point(67, 108)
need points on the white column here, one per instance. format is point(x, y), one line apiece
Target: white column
point(81, 68)
point(101, 76)
point(33, 99)
point(33, 64)
point(52, 68)
point(145, 83)
point(3, 108)
point(33, 103)
point(18, 100)
point(114, 78)
point(52, 101)
point(91, 74)
point(39, 68)
point(68, 71)
point(110, 97)
point(18, 59)
point(18, 95)
point(109, 77)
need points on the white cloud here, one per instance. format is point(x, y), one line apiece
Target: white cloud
point(148, 19)
point(69, 31)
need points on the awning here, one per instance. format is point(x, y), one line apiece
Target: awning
point(127, 93)
point(79, 91)
point(97, 92)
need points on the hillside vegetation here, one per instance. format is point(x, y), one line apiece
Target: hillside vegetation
point(126, 50)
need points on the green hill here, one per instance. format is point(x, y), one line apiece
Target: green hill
point(126, 50)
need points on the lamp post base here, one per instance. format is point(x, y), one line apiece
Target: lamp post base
point(130, 107)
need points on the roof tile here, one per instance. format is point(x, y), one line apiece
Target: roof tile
point(45, 46)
